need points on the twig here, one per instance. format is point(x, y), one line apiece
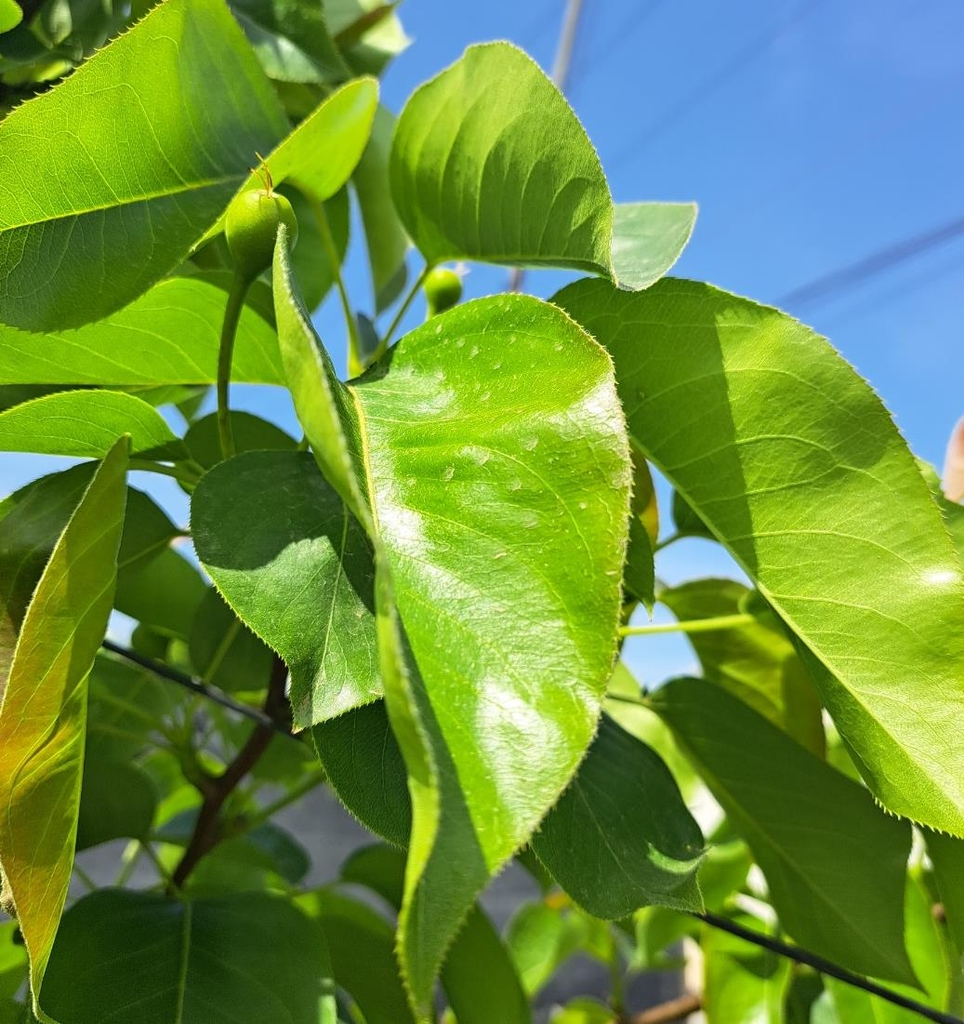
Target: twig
point(206, 833)
point(828, 967)
point(212, 693)
point(673, 1009)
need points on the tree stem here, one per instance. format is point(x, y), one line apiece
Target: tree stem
point(402, 310)
point(229, 328)
point(206, 833)
point(355, 362)
point(690, 625)
point(673, 1009)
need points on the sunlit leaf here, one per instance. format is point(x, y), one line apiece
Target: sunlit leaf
point(648, 239)
point(43, 714)
point(170, 335)
point(498, 497)
point(489, 162)
point(93, 216)
point(87, 424)
point(796, 466)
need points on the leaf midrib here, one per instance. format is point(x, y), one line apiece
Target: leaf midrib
point(183, 189)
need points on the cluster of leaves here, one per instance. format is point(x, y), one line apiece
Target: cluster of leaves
point(426, 596)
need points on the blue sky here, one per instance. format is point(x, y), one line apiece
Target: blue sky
point(811, 134)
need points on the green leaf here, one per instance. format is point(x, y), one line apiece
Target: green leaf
point(251, 957)
point(33, 518)
point(639, 573)
point(483, 457)
point(117, 800)
point(648, 238)
point(947, 856)
point(125, 705)
point(742, 984)
point(100, 215)
point(686, 521)
point(338, 127)
point(296, 568)
point(291, 41)
point(251, 434)
point(170, 335)
point(584, 1011)
point(813, 490)
point(164, 593)
point(368, 33)
point(10, 15)
point(834, 862)
point(87, 424)
point(360, 755)
point(756, 663)
point(263, 857)
point(480, 979)
point(539, 940)
point(489, 162)
point(310, 258)
point(621, 837)
point(386, 238)
point(224, 651)
point(362, 954)
point(42, 717)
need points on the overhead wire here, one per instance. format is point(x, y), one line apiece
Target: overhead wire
point(854, 274)
point(707, 86)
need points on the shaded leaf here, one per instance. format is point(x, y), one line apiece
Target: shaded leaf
point(251, 433)
point(365, 768)
point(813, 490)
point(164, 593)
point(310, 259)
point(363, 955)
point(96, 216)
point(756, 663)
point(291, 40)
point(834, 862)
point(224, 651)
point(251, 957)
point(368, 32)
point(43, 714)
point(620, 836)
point(296, 568)
point(87, 424)
point(479, 977)
point(648, 238)
point(489, 162)
point(117, 800)
point(386, 239)
point(170, 335)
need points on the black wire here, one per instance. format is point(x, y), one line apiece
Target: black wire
point(197, 686)
point(818, 963)
point(712, 83)
point(870, 266)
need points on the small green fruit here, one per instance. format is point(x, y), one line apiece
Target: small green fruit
point(443, 289)
point(251, 226)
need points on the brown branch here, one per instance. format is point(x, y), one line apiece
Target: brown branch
point(674, 1009)
point(207, 833)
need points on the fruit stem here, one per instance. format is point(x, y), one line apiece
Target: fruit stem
point(232, 314)
point(355, 363)
point(690, 626)
point(402, 310)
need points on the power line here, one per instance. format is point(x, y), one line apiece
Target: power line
point(871, 266)
point(212, 693)
point(712, 83)
point(828, 967)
